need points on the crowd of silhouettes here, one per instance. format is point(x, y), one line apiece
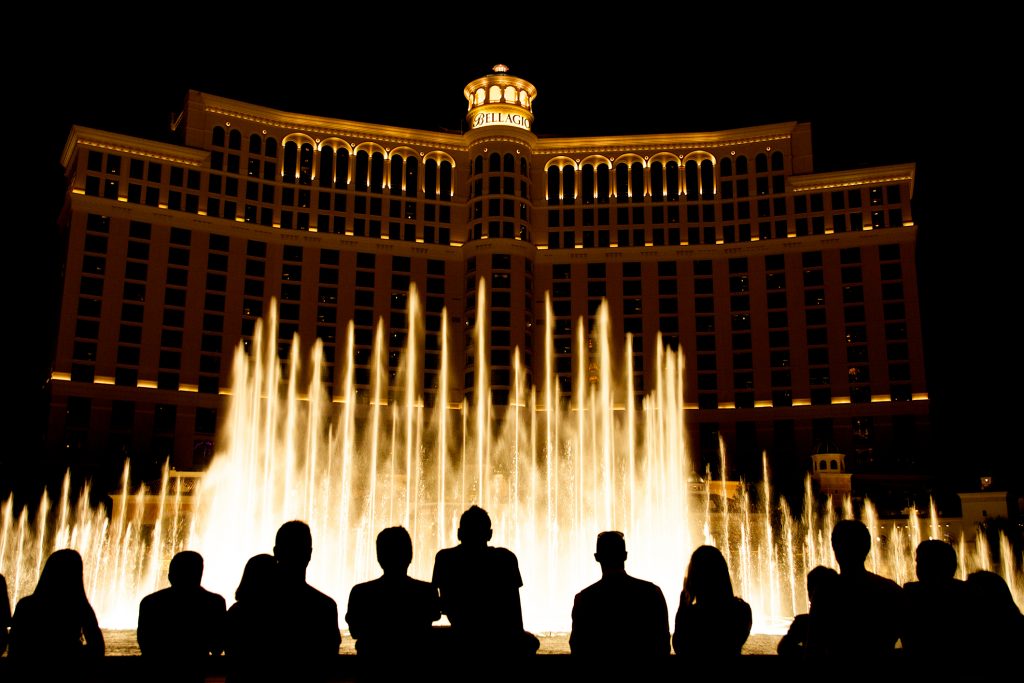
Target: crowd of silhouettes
point(280, 627)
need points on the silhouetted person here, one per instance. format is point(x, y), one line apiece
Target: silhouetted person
point(936, 604)
point(391, 617)
point(250, 638)
point(711, 623)
point(619, 617)
point(479, 590)
point(5, 613)
point(868, 612)
point(306, 631)
point(997, 624)
point(56, 625)
point(822, 584)
point(181, 626)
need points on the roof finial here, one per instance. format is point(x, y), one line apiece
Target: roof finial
point(499, 69)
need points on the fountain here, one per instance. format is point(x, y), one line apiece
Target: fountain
point(551, 473)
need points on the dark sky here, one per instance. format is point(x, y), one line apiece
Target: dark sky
point(877, 89)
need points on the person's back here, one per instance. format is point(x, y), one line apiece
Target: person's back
point(250, 640)
point(821, 588)
point(56, 624)
point(711, 623)
point(479, 590)
point(997, 625)
point(868, 613)
point(392, 616)
point(185, 621)
point(937, 605)
point(306, 629)
point(619, 617)
point(5, 614)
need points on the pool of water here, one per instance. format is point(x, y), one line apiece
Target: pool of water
point(122, 643)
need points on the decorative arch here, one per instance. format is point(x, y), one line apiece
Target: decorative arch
point(560, 163)
point(705, 175)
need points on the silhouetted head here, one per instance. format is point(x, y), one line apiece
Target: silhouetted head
point(394, 550)
point(186, 569)
point(990, 594)
point(258, 579)
point(293, 547)
point(475, 526)
point(851, 543)
point(936, 560)
point(707, 577)
point(820, 581)
point(61, 578)
point(611, 550)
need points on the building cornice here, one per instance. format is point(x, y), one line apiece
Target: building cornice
point(126, 144)
point(324, 126)
point(666, 141)
point(897, 173)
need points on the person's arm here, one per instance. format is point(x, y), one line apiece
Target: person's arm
point(142, 629)
point(94, 645)
point(5, 613)
point(215, 645)
point(355, 613)
point(663, 637)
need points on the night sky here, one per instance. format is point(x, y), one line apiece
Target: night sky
point(877, 89)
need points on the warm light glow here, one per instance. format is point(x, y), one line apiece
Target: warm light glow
point(100, 379)
point(880, 398)
point(60, 376)
point(840, 400)
point(146, 384)
point(801, 401)
point(922, 396)
point(729, 405)
point(78, 191)
point(762, 403)
point(190, 388)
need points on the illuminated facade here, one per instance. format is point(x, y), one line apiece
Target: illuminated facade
point(792, 294)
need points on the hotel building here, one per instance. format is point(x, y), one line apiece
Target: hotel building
point(792, 294)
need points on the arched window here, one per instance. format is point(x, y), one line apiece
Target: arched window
point(494, 94)
point(524, 100)
point(741, 165)
point(603, 183)
point(480, 95)
point(587, 184)
point(291, 158)
point(622, 182)
point(760, 163)
point(657, 182)
point(326, 167)
point(707, 179)
point(636, 181)
point(271, 147)
point(396, 174)
point(430, 178)
point(725, 168)
point(341, 171)
point(568, 184)
point(447, 186)
point(478, 165)
point(411, 176)
point(692, 179)
point(553, 193)
point(833, 465)
point(510, 94)
point(218, 136)
point(510, 164)
point(494, 163)
point(255, 144)
point(777, 161)
point(377, 172)
point(305, 163)
point(672, 180)
point(362, 169)
point(235, 139)
point(523, 168)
